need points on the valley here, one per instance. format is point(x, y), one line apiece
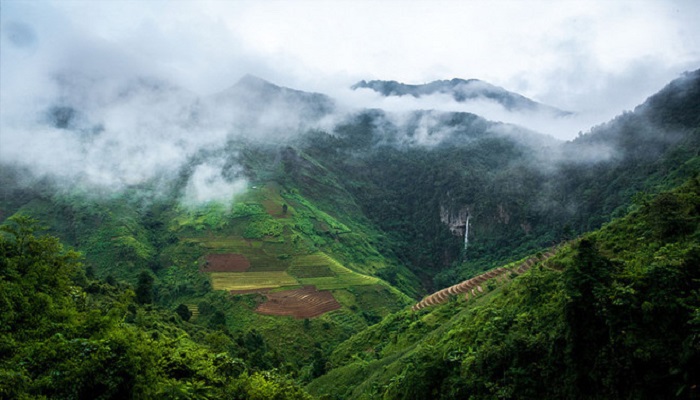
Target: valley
point(424, 255)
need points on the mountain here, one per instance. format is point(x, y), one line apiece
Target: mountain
point(255, 98)
point(461, 91)
point(593, 321)
point(268, 241)
point(522, 195)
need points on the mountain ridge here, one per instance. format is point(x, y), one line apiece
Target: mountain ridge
point(461, 90)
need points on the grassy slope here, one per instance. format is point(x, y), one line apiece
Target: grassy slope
point(301, 240)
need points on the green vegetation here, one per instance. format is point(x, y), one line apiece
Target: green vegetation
point(359, 213)
point(250, 280)
point(338, 276)
point(65, 336)
point(523, 192)
point(613, 315)
point(159, 249)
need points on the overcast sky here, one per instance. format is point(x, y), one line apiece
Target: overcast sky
point(576, 55)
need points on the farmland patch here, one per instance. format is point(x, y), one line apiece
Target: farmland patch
point(306, 302)
point(311, 271)
point(250, 280)
point(342, 276)
point(227, 262)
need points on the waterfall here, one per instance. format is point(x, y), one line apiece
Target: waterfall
point(466, 233)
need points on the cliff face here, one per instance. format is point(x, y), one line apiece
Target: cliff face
point(456, 220)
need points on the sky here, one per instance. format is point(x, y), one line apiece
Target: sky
point(576, 55)
point(595, 58)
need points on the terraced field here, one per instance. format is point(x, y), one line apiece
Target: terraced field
point(227, 262)
point(251, 280)
point(309, 269)
point(194, 310)
point(234, 244)
point(306, 302)
point(474, 286)
point(276, 265)
point(262, 256)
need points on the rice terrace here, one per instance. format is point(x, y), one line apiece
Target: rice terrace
point(306, 302)
point(226, 263)
point(318, 273)
point(268, 248)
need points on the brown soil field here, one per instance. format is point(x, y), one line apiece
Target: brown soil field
point(225, 263)
point(306, 302)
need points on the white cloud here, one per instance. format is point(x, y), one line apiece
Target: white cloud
point(526, 46)
point(595, 57)
point(207, 183)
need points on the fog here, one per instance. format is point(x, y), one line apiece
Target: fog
point(116, 94)
point(562, 127)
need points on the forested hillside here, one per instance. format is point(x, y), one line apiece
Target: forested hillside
point(66, 335)
point(284, 248)
point(613, 315)
point(523, 191)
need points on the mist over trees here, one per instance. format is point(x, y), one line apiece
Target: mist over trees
point(173, 220)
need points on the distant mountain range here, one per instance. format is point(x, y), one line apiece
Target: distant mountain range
point(461, 91)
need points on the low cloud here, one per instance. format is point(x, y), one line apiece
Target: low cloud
point(562, 127)
point(100, 95)
point(207, 183)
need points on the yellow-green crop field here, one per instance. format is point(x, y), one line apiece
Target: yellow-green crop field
point(342, 276)
point(250, 280)
point(305, 268)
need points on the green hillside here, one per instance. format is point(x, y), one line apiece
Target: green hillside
point(67, 335)
point(613, 315)
point(523, 191)
point(285, 238)
point(303, 273)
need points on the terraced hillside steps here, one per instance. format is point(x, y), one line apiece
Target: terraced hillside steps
point(194, 309)
point(306, 302)
point(474, 286)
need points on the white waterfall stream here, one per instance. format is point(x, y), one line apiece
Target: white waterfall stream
point(466, 232)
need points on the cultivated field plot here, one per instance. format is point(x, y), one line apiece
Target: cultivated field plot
point(306, 302)
point(342, 277)
point(250, 280)
point(234, 244)
point(261, 256)
point(227, 262)
point(261, 262)
point(311, 271)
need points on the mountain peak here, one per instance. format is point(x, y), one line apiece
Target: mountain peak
point(461, 90)
point(248, 79)
point(256, 94)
